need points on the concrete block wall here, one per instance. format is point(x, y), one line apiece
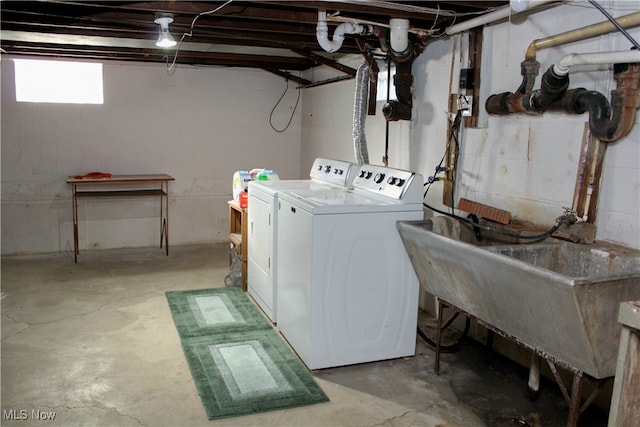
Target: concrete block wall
point(528, 164)
point(199, 125)
point(521, 163)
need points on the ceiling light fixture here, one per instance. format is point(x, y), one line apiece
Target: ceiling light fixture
point(165, 39)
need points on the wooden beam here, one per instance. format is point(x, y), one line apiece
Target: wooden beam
point(475, 59)
point(289, 76)
point(326, 61)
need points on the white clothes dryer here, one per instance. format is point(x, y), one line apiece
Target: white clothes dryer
point(262, 273)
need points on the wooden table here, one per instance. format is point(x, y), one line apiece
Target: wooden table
point(117, 186)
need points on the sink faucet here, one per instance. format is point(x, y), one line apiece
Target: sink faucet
point(568, 217)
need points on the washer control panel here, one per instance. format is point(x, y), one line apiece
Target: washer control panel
point(388, 182)
point(336, 172)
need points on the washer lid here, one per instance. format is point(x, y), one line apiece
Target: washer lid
point(345, 201)
point(273, 188)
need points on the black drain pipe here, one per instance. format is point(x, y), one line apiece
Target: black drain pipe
point(608, 121)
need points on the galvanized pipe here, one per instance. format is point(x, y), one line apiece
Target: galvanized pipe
point(626, 21)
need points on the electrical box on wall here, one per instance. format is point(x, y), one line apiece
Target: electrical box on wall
point(467, 78)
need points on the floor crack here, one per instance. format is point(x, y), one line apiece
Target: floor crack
point(88, 313)
point(27, 324)
point(389, 421)
point(109, 408)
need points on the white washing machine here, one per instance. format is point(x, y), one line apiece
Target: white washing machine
point(325, 174)
point(347, 292)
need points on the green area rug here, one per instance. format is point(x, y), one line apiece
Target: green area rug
point(239, 364)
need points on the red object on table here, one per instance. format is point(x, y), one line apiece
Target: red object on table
point(94, 175)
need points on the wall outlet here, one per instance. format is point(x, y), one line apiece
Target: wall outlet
point(465, 103)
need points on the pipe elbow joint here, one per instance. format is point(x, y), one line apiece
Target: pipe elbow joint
point(600, 121)
point(553, 86)
point(499, 103)
point(394, 111)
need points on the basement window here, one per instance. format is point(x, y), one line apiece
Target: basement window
point(381, 92)
point(58, 81)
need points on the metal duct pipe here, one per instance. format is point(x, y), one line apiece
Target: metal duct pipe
point(360, 106)
point(626, 21)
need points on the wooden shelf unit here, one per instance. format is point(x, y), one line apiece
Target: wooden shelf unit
point(238, 236)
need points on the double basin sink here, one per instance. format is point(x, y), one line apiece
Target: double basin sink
point(558, 297)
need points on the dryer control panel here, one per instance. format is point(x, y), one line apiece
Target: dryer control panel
point(336, 172)
point(397, 184)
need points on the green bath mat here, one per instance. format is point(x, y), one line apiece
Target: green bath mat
point(214, 311)
point(240, 365)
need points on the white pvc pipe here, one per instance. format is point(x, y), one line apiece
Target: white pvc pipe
point(564, 65)
point(496, 15)
point(322, 33)
point(399, 34)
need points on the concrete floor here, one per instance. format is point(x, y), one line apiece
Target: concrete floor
point(95, 344)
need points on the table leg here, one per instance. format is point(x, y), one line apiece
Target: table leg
point(74, 208)
point(164, 216)
point(161, 214)
point(436, 363)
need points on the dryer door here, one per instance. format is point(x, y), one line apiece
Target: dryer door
point(259, 230)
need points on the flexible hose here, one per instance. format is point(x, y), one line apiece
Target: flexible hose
point(447, 348)
point(360, 104)
point(540, 236)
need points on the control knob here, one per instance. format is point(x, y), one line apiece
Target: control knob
point(379, 177)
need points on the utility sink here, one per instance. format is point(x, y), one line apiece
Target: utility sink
point(558, 297)
point(580, 262)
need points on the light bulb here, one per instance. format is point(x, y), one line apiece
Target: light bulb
point(165, 39)
point(519, 5)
